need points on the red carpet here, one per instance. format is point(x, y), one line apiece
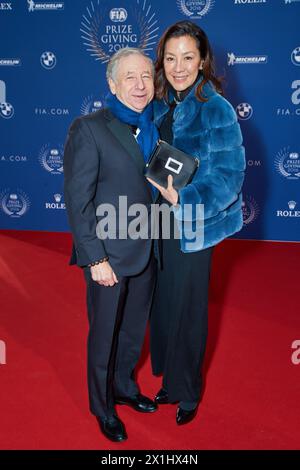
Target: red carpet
point(252, 391)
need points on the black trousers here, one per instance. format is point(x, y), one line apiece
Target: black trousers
point(179, 320)
point(117, 321)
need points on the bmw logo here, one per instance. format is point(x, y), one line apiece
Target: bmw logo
point(6, 110)
point(244, 111)
point(295, 56)
point(48, 60)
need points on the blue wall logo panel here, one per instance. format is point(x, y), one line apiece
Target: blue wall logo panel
point(53, 58)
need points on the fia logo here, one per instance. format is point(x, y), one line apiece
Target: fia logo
point(287, 163)
point(51, 159)
point(118, 15)
point(14, 204)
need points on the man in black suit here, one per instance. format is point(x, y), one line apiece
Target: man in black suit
point(103, 160)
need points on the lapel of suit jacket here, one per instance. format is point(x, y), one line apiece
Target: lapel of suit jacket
point(124, 135)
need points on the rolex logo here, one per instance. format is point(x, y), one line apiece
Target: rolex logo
point(290, 212)
point(57, 197)
point(58, 204)
point(292, 205)
point(5, 6)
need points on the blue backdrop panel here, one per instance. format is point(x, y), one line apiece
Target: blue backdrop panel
point(53, 58)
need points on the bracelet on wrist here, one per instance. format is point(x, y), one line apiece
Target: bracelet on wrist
point(102, 260)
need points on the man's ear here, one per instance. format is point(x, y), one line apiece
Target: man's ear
point(112, 86)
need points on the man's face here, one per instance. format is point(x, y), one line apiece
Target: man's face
point(133, 84)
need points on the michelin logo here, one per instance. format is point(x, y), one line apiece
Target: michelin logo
point(233, 59)
point(10, 62)
point(2, 92)
point(44, 6)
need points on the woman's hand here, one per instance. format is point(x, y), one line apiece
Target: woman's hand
point(169, 193)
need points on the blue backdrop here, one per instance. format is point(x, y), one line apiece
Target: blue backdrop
point(53, 58)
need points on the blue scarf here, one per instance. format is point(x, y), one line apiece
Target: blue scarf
point(148, 135)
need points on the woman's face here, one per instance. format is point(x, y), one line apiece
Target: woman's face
point(182, 62)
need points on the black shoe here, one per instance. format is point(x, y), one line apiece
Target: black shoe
point(112, 428)
point(185, 416)
point(138, 402)
point(162, 397)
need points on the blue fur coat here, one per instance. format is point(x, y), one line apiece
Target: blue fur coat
point(210, 131)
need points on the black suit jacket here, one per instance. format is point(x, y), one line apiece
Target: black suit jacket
point(103, 161)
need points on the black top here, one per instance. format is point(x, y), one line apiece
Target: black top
point(165, 130)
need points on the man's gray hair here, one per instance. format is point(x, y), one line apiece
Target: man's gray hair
point(111, 71)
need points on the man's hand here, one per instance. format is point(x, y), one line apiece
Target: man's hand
point(103, 274)
point(169, 193)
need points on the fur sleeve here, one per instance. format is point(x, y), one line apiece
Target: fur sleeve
point(219, 179)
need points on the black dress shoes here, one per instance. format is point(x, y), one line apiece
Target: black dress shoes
point(162, 397)
point(138, 402)
point(112, 428)
point(185, 416)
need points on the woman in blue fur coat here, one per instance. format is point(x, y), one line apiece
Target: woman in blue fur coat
point(193, 116)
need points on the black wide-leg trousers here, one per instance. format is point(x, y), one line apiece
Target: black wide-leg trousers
point(117, 321)
point(179, 318)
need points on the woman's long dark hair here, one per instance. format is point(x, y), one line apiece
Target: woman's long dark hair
point(186, 28)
